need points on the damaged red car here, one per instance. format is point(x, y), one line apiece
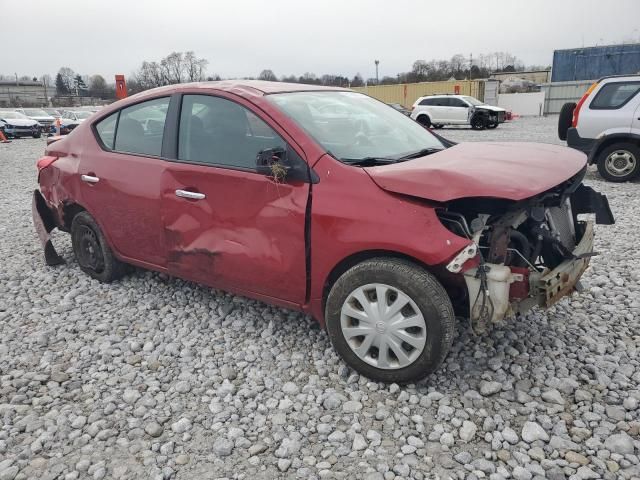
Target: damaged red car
point(326, 201)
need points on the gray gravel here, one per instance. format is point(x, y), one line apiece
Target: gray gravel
point(154, 377)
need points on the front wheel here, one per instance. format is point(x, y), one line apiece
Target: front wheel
point(390, 320)
point(493, 125)
point(619, 162)
point(92, 251)
point(37, 134)
point(478, 122)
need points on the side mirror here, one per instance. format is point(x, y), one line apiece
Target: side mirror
point(283, 165)
point(272, 162)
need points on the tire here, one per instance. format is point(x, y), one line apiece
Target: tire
point(611, 162)
point(565, 119)
point(92, 251)
point(428, 309)
point(478, 122)
point(492, 125)
point(438, 126)
point(424, 120)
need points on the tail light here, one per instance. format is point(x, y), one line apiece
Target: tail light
point(576, 111)
point(44, 162)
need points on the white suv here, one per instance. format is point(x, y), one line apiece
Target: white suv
point(605, 124)
point(440, 110)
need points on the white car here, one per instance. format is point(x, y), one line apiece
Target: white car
point(75, 116)
point(440, 110)
point(40, 116)
point(15, 124)
point(605, 124)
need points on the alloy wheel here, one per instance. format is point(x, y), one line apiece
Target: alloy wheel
point(620, 163)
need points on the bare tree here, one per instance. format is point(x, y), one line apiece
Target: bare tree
point(194, 67)
point(268, 75)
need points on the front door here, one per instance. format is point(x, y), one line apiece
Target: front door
point(459, 110)
point(119, 180)
point(225, 224)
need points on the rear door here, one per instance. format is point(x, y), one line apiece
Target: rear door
point(225, 224)
point(610, 108)
point(120, 180)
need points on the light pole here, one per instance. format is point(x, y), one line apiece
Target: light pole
point(377, 62)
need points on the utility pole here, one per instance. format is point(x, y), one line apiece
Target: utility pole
point(377, 62)
point(470, 65)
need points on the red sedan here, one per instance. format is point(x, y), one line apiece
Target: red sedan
point(326, 201)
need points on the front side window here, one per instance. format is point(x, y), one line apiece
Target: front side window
point(217, 131)
point(141, 126)
point(615, 95)
point(366, 128)
point(456, 102)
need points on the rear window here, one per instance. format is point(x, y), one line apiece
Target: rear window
point(141, 126)
point(106, 130)
point(614, 95)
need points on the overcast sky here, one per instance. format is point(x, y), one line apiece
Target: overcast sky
point(242, 37)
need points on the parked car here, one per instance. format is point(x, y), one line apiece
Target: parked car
point(246, 189)
point(400, 108)
point(440, 110)
point(40, 116)
point(75, 116)
point(15, 124)
point(605, 124)
point(54, 112)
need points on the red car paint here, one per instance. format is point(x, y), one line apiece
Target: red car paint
point(274, 241)
point(513, 171)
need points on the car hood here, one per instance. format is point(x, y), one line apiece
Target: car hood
point(491, 108)
point(42, 119)
point(512, 171)
point(20, 122)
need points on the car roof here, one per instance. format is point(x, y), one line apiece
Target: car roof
point(244, 88)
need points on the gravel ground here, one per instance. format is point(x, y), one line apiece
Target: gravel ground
point(154, 377)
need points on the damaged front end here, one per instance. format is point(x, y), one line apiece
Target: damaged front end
point(526, 253)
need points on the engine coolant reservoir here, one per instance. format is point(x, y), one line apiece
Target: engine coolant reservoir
point(499, 278)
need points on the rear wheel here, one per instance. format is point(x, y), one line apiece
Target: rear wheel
point(424, 120)
point(92, 251)
point(438, 126)
point(390, 320)
point(619, 162)
point(565, 119)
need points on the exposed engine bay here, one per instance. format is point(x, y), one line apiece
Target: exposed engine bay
point(525, 253)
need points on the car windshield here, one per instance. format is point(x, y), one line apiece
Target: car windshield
point(352, 126)
point(7, 114)
point(35, 112)
point(83, 115)
point(473, 101)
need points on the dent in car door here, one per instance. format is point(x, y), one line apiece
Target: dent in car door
point(225, 224)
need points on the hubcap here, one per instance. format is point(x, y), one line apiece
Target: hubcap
point(383, 326)
point(620, 163)
point(90, 253)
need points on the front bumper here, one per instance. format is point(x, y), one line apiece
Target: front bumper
point(21, 131)
point(44, 222)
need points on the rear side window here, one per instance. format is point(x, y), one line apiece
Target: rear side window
point(106, 129)
point(427, 101)
point(614, 95)
point(217, 131)
point(141, 126)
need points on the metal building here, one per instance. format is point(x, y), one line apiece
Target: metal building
point(591, 63)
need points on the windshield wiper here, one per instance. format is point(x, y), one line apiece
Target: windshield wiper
point(422, 153)
point(369, 161)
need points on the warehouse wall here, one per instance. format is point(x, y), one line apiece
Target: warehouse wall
point(407, 93)
point(557, 94)
point(595, 62)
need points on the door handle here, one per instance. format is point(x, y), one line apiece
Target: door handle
point(89, 179)
point(190, 195)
